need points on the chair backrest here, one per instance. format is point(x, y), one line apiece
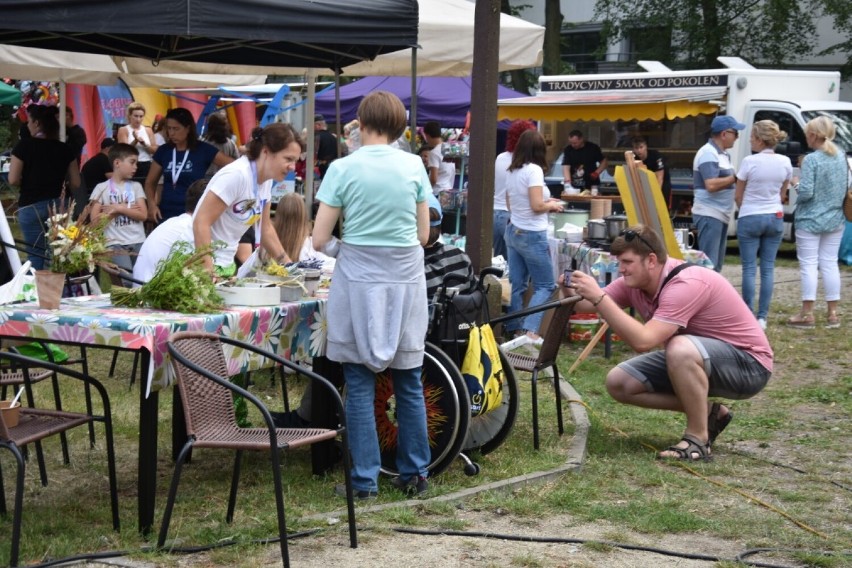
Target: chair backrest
point(206, 404)
point(555, 333)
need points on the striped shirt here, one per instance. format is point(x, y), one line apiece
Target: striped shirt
point(441, 259)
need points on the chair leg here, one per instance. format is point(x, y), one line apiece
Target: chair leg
point(279, 504)
point(133, 370)
point(19, 504)
point(84, 363)
point(112, 364)
point(2, 494)
point(113, 483)
point(284, 396)
point(170, 501)
point(558, 399)
point(63, 439)
point(350, 500)
point(235, 479)
point(535, 407)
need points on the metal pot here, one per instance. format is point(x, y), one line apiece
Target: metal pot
point(576, 217)
point(596, 230)
point(614, 225)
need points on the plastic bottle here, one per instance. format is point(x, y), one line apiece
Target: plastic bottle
point(599, 268)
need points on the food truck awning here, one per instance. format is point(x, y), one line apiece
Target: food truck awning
point(657, 104)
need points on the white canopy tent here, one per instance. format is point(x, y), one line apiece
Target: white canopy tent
point(445, 44)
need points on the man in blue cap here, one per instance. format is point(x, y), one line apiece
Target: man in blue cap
point(714, 180)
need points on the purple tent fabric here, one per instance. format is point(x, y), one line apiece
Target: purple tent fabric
point(445, 99)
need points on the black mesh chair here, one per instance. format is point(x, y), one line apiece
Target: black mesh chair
point(553, 338)
point(36, 424)
point(207, 398)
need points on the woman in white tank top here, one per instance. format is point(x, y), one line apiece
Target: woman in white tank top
point(139, 136)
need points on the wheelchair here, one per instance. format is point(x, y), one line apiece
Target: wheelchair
point(453, 431)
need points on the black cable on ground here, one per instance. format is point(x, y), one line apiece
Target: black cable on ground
point(93, 556)
point(559, 540)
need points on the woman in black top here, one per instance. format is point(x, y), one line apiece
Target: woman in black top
point(40, 166)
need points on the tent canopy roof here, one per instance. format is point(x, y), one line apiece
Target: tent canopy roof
point(294, 33)
point(613, 105)
point(445, 99)
point(445, 41)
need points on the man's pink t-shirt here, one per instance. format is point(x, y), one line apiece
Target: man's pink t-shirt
point(701, 302)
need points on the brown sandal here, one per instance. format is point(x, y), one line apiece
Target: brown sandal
point(802, 321)
point(695, 450)
point(717, 423)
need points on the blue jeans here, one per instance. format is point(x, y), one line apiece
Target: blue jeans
point(712, 239)
point(31, 220)
point(759, 235)
point(501, 221)
point(413, 453)
point(529, 259)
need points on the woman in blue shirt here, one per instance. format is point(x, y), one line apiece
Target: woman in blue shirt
point(377, 313)
point(180, 161)
point(820, 221)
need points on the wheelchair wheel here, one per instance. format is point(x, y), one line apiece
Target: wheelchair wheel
point(447, 412)
point(487, 431)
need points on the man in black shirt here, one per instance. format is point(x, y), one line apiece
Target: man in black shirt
point(582, 161)
point(325, 144)
point(75, 136)
point(98, 169)
point(653, 160)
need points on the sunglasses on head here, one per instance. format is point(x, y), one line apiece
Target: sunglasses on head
point(629, 235)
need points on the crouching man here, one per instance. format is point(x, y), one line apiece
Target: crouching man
point(712, 345)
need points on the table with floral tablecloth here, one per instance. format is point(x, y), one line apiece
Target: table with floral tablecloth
point(293, 330)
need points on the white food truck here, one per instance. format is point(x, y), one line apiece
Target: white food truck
point(673, 110)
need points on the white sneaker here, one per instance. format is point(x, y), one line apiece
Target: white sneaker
point(762, 323)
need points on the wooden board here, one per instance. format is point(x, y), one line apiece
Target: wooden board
point(643, 201)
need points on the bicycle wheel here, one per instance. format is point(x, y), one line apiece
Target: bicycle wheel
point(447, 412)
point(487, 431)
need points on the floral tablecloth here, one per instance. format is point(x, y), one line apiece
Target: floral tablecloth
point(296, 331)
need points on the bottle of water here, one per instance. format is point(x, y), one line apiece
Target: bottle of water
point(612, 268)
point(599, 268)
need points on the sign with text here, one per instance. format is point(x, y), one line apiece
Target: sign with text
point(631, 83)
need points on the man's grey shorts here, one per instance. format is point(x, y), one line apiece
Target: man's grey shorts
point(732, 372)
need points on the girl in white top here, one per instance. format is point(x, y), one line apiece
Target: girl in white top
point(529, 202)
point(762, 182)
point(293, 228)
point(238, 197)
point(139, 136)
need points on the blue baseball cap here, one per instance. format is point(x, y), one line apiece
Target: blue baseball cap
point(725, 122)
point(435, 204)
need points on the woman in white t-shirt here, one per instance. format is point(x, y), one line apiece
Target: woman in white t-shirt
point(140, 137)
point(238, 197)
point(762, 182)
point(529, 202)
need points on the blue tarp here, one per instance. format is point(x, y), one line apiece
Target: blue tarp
point(445, 99)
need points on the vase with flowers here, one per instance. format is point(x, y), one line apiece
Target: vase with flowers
point(75, 248)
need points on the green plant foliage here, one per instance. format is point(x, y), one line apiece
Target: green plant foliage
point(771, 32)
point(180, 284)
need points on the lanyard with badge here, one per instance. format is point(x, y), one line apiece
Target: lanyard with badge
point(176, 174)
point(255, 219)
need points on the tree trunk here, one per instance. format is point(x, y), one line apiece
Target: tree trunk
point(713, 36)
point(552, 38)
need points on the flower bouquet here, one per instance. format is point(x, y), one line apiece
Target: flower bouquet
point(75, 248)
point(180, 284)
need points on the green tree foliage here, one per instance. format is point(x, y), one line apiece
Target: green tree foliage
point(769, 32)
point(841, 12)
